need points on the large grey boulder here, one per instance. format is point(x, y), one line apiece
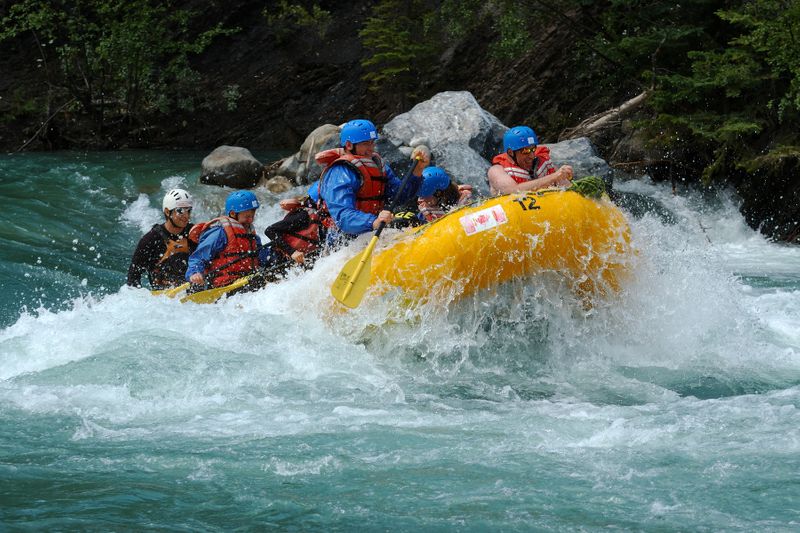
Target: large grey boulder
point(300, 167)
point(231, 166)
point(462, 163)
point(464, 138)
point(581, 154)
point(461, 135)
point(323, 138)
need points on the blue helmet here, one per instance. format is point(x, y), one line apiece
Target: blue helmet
point(239, 201)
point(433, 179)
point(519, 137)
point(357, 131)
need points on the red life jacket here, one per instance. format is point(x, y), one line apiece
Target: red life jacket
point(371, 196)
point(544, 166)
point(238, 258)
point(430, 211)
point(307, 239)
point(322, 210)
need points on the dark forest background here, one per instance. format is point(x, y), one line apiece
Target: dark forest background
point(718, 82)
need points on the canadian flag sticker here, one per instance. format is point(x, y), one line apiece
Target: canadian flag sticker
point(484, 219)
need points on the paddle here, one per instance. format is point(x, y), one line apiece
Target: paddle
point(353, 279)
point(174, 291)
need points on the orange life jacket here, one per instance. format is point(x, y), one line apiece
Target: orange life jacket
point(371, 196)
point(174, 258)
point(238, 258)
point(544, 166)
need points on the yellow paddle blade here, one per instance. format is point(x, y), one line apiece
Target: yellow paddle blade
point(212, 295)
point(353, 280)
point(171, 293)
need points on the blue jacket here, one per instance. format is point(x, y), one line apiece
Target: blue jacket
point(212, 242)
point(313, 191)
point(339, 188)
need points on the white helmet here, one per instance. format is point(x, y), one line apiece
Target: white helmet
point(176, 198)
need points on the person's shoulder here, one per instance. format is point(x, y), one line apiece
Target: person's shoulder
point(154, 234)
point(342, 172)
point(495, 170)
point(157, 229)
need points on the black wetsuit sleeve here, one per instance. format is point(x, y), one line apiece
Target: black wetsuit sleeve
point(293, 222)
point(150, 248)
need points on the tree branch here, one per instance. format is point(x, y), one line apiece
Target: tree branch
point(45, 124)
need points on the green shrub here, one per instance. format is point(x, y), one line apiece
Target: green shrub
point(287, 18)
point(117, 58)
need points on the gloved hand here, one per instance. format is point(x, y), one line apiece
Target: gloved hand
point(384, 216)
point(422, 155)
point(464, 193)
point(299, 257)
point(290, 204)
point(404, 219)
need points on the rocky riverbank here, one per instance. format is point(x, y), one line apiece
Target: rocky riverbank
point(264, 88)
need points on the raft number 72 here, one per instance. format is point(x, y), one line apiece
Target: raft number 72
point(527, 203)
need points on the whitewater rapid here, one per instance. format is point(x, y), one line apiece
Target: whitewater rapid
point(674, 404)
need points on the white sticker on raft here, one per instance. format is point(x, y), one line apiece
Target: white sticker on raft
point(484, 219)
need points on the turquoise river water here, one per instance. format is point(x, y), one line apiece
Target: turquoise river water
point(673, 406)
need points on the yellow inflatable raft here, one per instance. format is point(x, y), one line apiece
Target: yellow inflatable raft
point(506, 237)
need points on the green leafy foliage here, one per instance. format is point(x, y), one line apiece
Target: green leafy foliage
point(513, 26)
point(735, 99)
point(400, 44)
point(772, 35)
point(117, 58)
point(19, 104)
point(231, 96)
point(461, 17)
point(286, 18)
point(403, 38)
point(589, 186)
point(634, 41)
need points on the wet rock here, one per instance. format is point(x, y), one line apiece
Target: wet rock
point(300, 168)
point(464, 164)
point(461, 135)
point(322, 138)
point(770, 189)
point(278, 184)
point(581, 154)
point(290, 167)
point(231, 166)
point(464, 137)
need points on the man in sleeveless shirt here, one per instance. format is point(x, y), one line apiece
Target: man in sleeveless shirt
point(163, 252)
point(524, 165)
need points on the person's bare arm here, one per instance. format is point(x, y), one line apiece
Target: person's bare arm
point(501, 183)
